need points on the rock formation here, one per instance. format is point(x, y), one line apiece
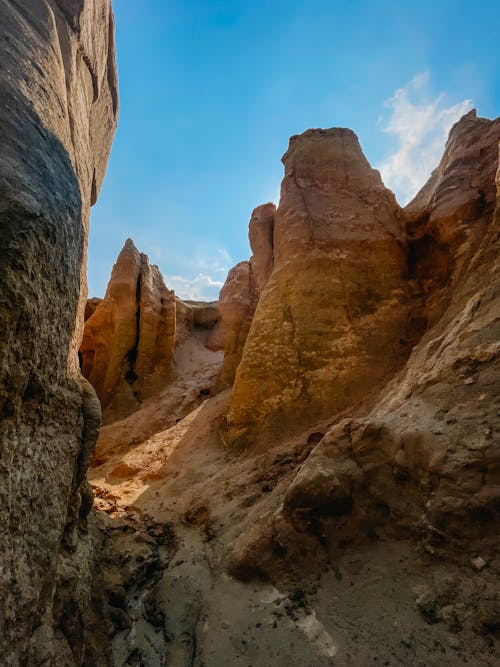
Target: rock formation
point(363, 344)
point(237, 302)
point(426, 458)
point(57, 120)
point(128, 342)
point(261, 237)
point(331, 323)
point(239, 296)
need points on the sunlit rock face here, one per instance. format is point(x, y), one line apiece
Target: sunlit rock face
point(239, 296)
point(57, 119)
point(261, 237)
point(331, 321)
point(425, 459)
point(237, 302)
point(128, 342)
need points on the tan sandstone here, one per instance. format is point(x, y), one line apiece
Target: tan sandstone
point(331, 322)
point(128, 342)
point(426, 458)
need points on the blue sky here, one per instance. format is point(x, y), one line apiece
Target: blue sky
point(211, 91)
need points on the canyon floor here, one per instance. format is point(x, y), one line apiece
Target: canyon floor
point(386, 602)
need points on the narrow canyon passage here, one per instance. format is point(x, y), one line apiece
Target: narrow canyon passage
point(341, 608)
point(305, 472)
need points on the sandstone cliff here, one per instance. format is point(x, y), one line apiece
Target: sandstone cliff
point(331, 322)
point(426, 458)
point(364, 506)
point(239, 296)
point(128, 341)
point(134, 338)
point(57, 119)
point(237, 301)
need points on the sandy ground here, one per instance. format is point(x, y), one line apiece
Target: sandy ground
point(360, 609)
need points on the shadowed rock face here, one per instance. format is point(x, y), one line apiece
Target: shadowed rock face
point(57, 119)
point(330, 323)
point(128, 342)
point(450, 216)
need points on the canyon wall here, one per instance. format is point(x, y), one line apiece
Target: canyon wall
point(425, 458)
point(57, 119)
point(132, 335)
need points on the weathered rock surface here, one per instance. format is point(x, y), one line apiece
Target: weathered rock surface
point(239, 296)
point(450, 216)
point(425, 460)
point(131, 348)
point(237, 302)
point(57, 119)
point(261, 235)
point(128, 342)
point(331, 323)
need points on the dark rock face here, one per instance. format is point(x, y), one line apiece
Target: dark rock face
point(57, 119)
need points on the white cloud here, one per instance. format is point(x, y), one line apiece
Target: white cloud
point(200, 288)
point(207, 277)
point(421, 127)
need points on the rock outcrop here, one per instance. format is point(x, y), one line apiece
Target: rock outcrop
point(237, 302)
point(331, 323)
point(57, 119)
point(239, 296)
point(261, 237)
point(425, 460)
point(128, 342)
point(450, 216)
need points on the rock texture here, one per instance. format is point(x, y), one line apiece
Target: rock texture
point(239, 296)
point(57, 119)
point(128, 342)
point(425, 459)
point(370, 533)
point(331, 323)
point(237, 302)
point(261, 237)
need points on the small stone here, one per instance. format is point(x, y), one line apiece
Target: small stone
point(478, 563)
point(454, 642)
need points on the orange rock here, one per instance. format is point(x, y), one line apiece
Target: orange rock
point(260, 235)
point(237, 301)
point(329, 320)
point(128, 342)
